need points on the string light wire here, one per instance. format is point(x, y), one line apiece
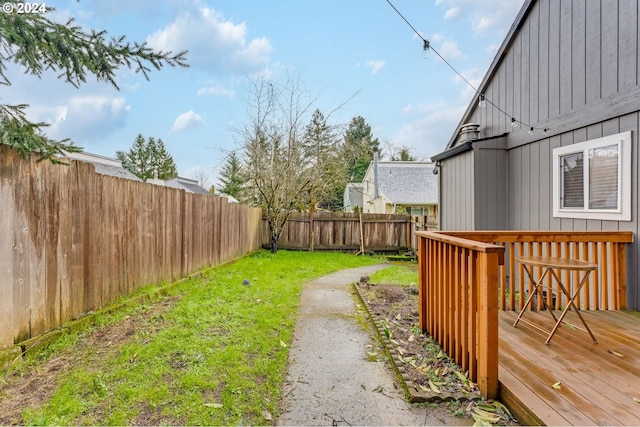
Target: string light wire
point(481, 96)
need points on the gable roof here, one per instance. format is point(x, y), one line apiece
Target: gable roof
point(103, 165)
point(354, 193)
point(493, 68)
point(186, 184)
point(407, 183)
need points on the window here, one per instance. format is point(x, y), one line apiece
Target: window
point(592, 179)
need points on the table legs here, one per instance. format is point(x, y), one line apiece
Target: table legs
point(536, 291)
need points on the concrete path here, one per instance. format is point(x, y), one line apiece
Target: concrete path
point(329, 379)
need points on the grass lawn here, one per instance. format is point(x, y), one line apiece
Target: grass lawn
point(212, 351)
point(404, 274)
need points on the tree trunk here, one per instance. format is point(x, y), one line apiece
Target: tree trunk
point(311, 237)
point(274, 243)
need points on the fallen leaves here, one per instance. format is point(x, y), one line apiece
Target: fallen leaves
point(557, 385)
point(489, 413)
point(615, 353)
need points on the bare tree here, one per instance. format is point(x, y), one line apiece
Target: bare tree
point(202, 177)
point(276, 162)
point(400, 153)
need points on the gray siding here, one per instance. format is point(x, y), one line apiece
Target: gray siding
point(457, 193)
point(572, 67)
point(490, 182)
point(571, 63)
point(530, 189)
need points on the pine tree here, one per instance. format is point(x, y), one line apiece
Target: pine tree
point(36, 43)
point(164, 164)
point(321, 144)
point(148, 160)
point(357, 148)
point(231, 176)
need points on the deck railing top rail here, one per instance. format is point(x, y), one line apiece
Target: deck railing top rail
point(544, 236)
point(462, 241)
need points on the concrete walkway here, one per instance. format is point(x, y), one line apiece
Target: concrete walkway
point(329, 379)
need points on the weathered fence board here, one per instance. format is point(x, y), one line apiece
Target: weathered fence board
point(72, 241)
point(341, 231)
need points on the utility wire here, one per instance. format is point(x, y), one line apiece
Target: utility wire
point(481, 96)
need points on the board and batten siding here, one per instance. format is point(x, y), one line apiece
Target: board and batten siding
point(491, 185)
point(531, 192)
point(569, 64)
point(457, 181)
point(571, 67)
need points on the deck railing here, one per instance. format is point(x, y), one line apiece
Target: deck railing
point(466, 277)
point(604, 290)
point(459, 302)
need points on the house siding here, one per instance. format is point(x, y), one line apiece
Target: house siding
point(573, 68)
point(457, 202)
point(490, 158)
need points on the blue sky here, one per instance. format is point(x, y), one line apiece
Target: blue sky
point(360, 51)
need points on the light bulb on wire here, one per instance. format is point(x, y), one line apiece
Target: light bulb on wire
point(482, 102)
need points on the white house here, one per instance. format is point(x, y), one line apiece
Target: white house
point(400, 188)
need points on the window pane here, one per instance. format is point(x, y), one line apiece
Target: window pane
point(572, 181)
point(603, 178)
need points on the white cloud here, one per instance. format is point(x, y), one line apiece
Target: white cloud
point(452, 13)
point(437, 38)
point(492, 49)
point(188, 120)
point(449, 50)
point(484, 16)
point(473, 76)
point(214, 44)
point(375, 66)
point(215, 89)
point(432, 130)
point(83, 119)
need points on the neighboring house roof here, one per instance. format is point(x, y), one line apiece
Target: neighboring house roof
point(230, 199)
point(354, 194)
point(407, 183)
point(113, 167)
point(103, 165)
point(186, 184)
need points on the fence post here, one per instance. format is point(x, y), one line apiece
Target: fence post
point(422, 281)
point(488, 324)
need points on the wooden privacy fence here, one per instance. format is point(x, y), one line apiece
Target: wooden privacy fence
point(343, 231)
point(467, 276)
point(72, 241)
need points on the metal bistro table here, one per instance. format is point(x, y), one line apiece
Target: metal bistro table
point(549, 265)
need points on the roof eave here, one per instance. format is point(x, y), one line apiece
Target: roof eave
point(524, 11)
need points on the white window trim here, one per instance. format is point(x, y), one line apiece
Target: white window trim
point(623, 213)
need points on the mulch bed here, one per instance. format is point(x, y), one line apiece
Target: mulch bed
point(426, 372)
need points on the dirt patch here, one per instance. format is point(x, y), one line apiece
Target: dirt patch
point(396, 309)
point(32, 385)
point(427, 368)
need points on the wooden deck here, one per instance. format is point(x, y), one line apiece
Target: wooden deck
point(598, 382)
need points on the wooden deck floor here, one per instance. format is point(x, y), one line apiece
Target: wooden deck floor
point(598, 382)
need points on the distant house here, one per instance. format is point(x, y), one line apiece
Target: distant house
point(554, 143)
point(103, 165)
point(353, 196)
point(186, 184)
point(113, 167)
point(402, 187)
